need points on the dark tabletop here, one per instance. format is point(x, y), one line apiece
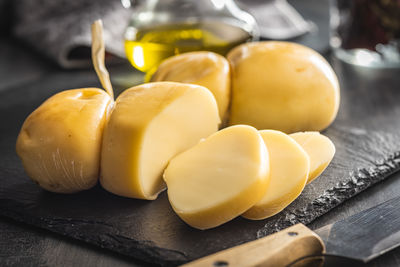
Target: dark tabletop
point(24, 245)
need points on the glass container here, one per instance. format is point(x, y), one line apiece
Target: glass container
point(366, 32)
point(159, 29)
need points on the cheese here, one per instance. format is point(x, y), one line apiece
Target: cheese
point(203, 68)
point(149, 125)
point(219, 178)
point(60, 142)
point(282, 86)
point(319, 148)
point(290, 166)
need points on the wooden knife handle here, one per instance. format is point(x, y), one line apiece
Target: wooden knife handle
point(279, 249)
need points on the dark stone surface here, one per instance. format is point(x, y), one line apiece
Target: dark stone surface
point(365, 133)
point(28, 246)
point(6, 17)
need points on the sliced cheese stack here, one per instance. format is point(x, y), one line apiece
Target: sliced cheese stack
point(203, 68)
point(149, 125)
point(319, 148)
point(219, 178)
point(59, 143)
point(290, 166)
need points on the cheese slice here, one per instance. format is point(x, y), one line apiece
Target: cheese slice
point(319, 148)
point(290, 166)
point(149, 125)
point(203, 68)
point(219, 178)
point(60, 142)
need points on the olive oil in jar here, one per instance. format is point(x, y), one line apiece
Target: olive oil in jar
point(147, 47)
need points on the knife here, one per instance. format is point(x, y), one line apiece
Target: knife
point(362, 237)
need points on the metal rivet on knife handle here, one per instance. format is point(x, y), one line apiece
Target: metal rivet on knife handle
point(271, 250)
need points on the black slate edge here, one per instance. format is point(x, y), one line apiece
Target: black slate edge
point(358, 182)
point(146, 251)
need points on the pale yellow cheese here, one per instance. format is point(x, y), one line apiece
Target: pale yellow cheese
point(203, 68)
point(60, 142)
point(149, 125)
point(319, 148)
point(282, 86)
point(219, 178)
point(290, 166)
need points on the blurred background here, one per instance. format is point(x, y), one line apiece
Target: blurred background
point(139, 34)
point(145, 32)
point(60, 30)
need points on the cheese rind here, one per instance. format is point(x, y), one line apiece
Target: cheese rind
point(290, 166)
point(149, 125)
point(60, 142)
point(282, 86)
point(203, 68)
point(219, 178)
point(319, 148)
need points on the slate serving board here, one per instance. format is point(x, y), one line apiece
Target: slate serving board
point(367, 138)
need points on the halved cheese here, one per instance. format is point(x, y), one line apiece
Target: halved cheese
point(60, 142)
point(149, 125)
point(290, 166)
point(219, 178)
point(207, 69)
point(319, 148)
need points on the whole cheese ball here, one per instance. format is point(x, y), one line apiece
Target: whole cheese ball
point(202, 68)
point(282, 86)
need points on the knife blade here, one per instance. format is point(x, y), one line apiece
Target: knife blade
point(362, 237)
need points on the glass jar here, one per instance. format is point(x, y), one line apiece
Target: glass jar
point(366, 32)
point(162, 28)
